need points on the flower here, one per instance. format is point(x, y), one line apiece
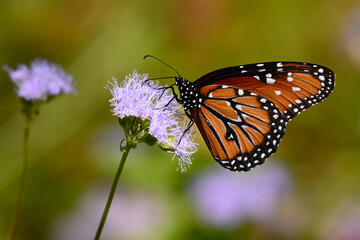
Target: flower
point(40, 81)
point(184, 147)
point(148, 101)
point(226, 200)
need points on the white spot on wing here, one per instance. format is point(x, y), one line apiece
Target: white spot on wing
point(270, 81)
point(277, 92)
point(295, 89)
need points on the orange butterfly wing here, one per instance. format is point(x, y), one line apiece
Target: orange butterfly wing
point(245, 109)
point(291, 86)
point(240, 128)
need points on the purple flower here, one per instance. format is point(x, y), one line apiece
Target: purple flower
point(143, 99)
point(40, 81)
point(226, 199)
point(184, 146)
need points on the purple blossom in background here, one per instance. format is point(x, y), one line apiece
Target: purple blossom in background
point(137, 97)
point(40, 81)
point(226, 199)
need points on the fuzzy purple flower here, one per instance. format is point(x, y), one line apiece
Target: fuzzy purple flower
point(137, 97)
point(226, 199)
point(183, 148)
point(40, 81)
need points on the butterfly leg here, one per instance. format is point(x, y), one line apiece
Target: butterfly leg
point(190, 124)
point(173, 92)
point(188, 127)
point(166, 88)
point(174, 95)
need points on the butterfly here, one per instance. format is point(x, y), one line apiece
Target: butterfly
point(242, 111)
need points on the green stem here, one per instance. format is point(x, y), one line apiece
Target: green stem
point(20, 193)
point(112, 191)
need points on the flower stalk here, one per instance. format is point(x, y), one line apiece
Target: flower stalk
point(136, 131)
point(125, 151)
point(20, 193)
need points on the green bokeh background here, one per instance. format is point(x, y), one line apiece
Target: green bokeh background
point(74, 142)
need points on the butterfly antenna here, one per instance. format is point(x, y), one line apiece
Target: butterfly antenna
point(163, 63)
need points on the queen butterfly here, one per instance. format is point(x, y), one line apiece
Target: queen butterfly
point(242, 111)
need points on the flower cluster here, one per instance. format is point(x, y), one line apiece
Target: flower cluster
point(40, 81)
point(146, 100)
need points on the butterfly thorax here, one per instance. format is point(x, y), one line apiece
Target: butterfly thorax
point(189, 95)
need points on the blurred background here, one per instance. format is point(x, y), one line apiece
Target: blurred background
point(309, 189)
